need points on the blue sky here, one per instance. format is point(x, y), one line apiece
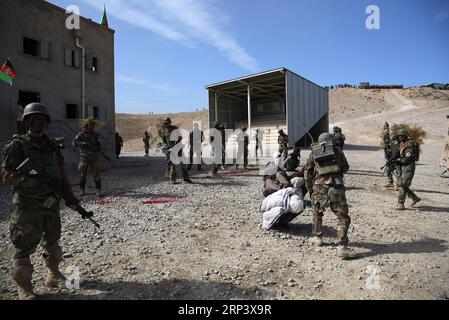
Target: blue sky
point(168, 50)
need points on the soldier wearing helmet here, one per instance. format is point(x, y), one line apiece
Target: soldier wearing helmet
point(35, 215)
point(89, 143)
point(339, 137)
point(405, 161)
point(324, 170)
point(166, 132)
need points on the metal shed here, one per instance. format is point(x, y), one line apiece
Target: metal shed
point(271, 100)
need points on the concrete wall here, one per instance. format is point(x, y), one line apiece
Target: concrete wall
point(57, 83)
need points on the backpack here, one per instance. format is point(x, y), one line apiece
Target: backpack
point(325, 156)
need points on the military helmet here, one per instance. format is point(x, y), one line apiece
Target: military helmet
point(34, 108)
point(326, 136)
point(281, 131)
point(166, 120)
point(336, 129)
point(402, 132)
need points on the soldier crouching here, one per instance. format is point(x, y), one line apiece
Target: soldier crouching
point(35, 203)
point(326, 168)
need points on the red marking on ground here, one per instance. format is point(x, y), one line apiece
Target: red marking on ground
point(104, 200)
point(160, 200)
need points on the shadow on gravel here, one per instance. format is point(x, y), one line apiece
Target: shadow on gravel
point(431, 191)
point(425, 245)
point(301, 229)
point(365, 173)
point(432, 209)
point(358, 147)
point(176, 289)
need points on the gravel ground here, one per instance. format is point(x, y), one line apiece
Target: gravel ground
point(208, 243)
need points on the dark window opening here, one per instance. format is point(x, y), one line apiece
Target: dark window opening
point(71, 111)
point(30, 47)
point(96, 112)
point(73, 58)
point(27, 97)
point(94, 64)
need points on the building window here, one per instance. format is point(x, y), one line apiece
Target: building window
point(30, 47)
point(91, 63)
point(27, 97)
point(71, 111)
point(71, 58)
point(96, 112)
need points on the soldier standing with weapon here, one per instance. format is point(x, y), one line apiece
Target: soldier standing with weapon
point(35, 215)
point(89, 143)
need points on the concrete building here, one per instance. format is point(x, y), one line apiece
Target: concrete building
point(269, 101)
point(49, 67)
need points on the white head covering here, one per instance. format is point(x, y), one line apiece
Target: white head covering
point(296, 204)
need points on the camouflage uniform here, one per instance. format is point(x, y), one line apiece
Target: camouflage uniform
point(171, 167)
point(283, 144)
point(329, 190)
point(89, 157)
point(339, 138)
point(34, 217)
point(406, 165)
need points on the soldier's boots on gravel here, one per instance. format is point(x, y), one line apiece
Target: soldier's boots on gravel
point(317, 231)
point(344, 252)
point(389, 185)
point(22, 272)
point(400, 206)
point(52, 257)
point(188, 180)
point(415, 201)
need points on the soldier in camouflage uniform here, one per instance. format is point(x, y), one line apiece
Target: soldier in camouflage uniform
point(405, 162)
point(387, 141)
point(89, 143)
point(167, 130)
point(329, 190)
point(339, 137)
point(36, 204)
point(283, 144)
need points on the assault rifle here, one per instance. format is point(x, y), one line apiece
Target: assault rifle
point(26, 168)
point(390, 164)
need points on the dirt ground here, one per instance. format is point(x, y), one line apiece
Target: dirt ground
point(207, 243)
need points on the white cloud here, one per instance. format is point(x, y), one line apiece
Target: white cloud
point(188, 22)
point(142, 83)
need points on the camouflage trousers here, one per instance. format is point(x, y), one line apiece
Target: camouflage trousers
point(30, 224)
point(171, 169)
point(91, 162)
point(332, 196)
point(404, 182)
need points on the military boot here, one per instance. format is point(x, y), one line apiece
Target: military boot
point(22, 272)
point(98, 192)
point(416, 199)
point(53, 256)
point(343, 252)
point(389, 185)
point(82, 189)
point(400, 206)
point(317, 231)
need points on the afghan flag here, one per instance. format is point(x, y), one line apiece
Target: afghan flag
point(104, 19)
point(7, 72)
